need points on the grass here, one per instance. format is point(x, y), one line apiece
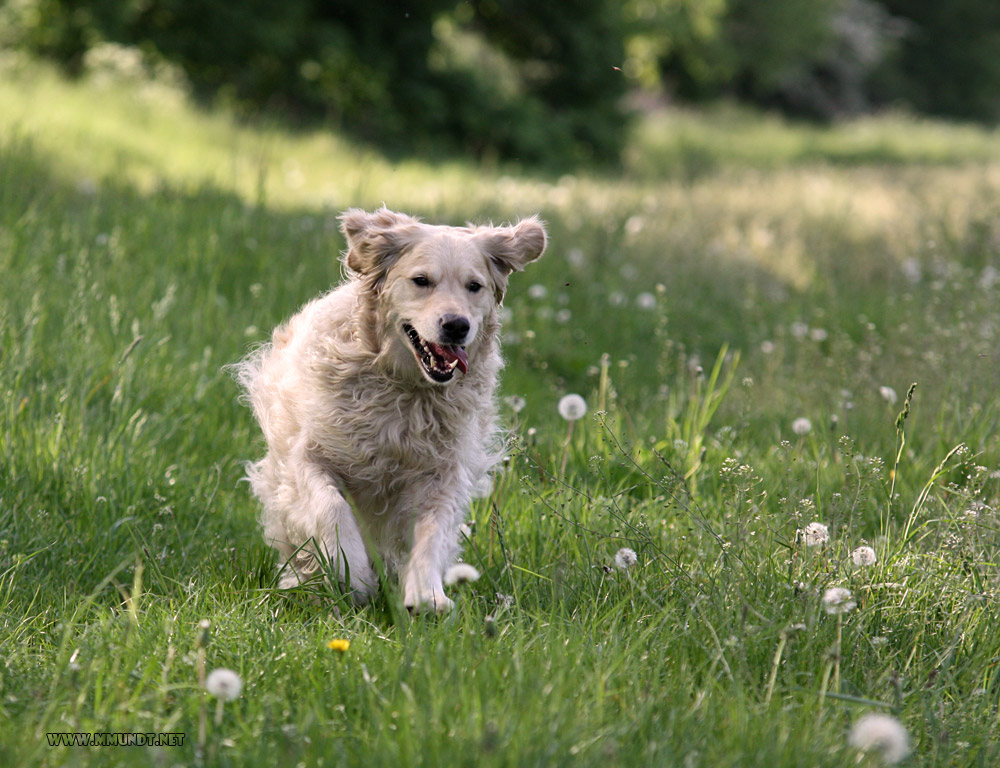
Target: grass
point(146, 244)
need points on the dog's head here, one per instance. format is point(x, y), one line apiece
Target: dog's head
point(437, 287)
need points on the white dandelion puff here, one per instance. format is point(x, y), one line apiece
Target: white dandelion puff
point(799, 329)
point(883, 733)
point(819, 334)
point(645, 300)
point(224, 684)
point(767, 346)
point(802, 426)
point(572, 407)
point(838, 600)
point(815, 534)
point(864, 556)
point(888, 394)
point(625, 558)
point(538, 291)
point(516, 403)
point(460, 573)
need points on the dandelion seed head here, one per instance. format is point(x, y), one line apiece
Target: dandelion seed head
point(460, 573)
point(767, 347)
point(516, 403)
point(883, 733)
point(224, 684)
point(802, 426)
point(819, 334)
point(864, 556)
point(538, 291)
point(625, 558)
point(838, 600)
point(572, 407)
point(645, 300)
point(888, 394)
point(912, 270)
point(815, 534)
point(799, 330)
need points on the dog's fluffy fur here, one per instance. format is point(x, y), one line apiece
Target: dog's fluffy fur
point(376, 401)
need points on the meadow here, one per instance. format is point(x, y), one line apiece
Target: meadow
point(744, 308)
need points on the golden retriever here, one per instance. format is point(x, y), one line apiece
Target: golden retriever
point(377, 404)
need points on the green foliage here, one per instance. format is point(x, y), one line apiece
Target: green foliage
point(947, 63)
point(383, 72)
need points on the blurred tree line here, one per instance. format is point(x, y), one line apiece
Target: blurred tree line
point(538, 80)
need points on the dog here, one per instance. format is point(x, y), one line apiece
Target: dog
point(377, 405)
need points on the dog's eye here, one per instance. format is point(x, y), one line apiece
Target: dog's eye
point(473, 287)
point(421, 280)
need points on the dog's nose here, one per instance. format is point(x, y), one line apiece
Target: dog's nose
point(454, 329)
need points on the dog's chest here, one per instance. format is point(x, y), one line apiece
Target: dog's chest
point(375, 429)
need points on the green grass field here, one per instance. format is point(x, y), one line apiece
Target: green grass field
point(739, 276)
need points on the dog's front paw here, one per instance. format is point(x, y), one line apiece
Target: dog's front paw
point(431, 601)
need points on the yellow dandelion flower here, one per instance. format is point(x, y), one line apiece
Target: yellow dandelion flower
point(338, 644)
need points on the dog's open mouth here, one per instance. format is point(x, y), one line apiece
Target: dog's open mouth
point(438, 361)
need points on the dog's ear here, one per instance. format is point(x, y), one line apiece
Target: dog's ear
point(510, 249)
point(375, 240)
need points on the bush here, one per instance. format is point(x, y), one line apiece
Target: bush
point(367, 67)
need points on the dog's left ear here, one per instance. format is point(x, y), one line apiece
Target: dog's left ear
point(511, 249)
point(375, 240)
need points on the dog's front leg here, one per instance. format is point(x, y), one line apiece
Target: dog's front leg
point(433, 546)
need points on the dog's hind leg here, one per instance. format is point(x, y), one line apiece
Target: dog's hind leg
point(312, 525)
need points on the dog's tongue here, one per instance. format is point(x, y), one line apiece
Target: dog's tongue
point(450, 354)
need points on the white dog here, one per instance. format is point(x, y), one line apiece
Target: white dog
point(379, 395)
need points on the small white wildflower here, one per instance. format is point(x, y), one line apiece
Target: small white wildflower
point(516, 403)
point(575, 257)
point(572, 407)
point(819, 334)
point(815, 534)
point(799, 330)
point(459, 573)
point(634, 225)
point(888, 394)
point(538, 291)
point(625, 558)
point(617, 298)
point(564, 315)
point(838, 600)
point(224, 684)
point(802, 426)
point(645, 300)
point(912, 270)
point(989, 277)
point(863, 556)
point(767, 347)
point(883, 733)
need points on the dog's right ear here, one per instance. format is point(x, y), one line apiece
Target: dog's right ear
point(375, 240)
point(509, 249)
